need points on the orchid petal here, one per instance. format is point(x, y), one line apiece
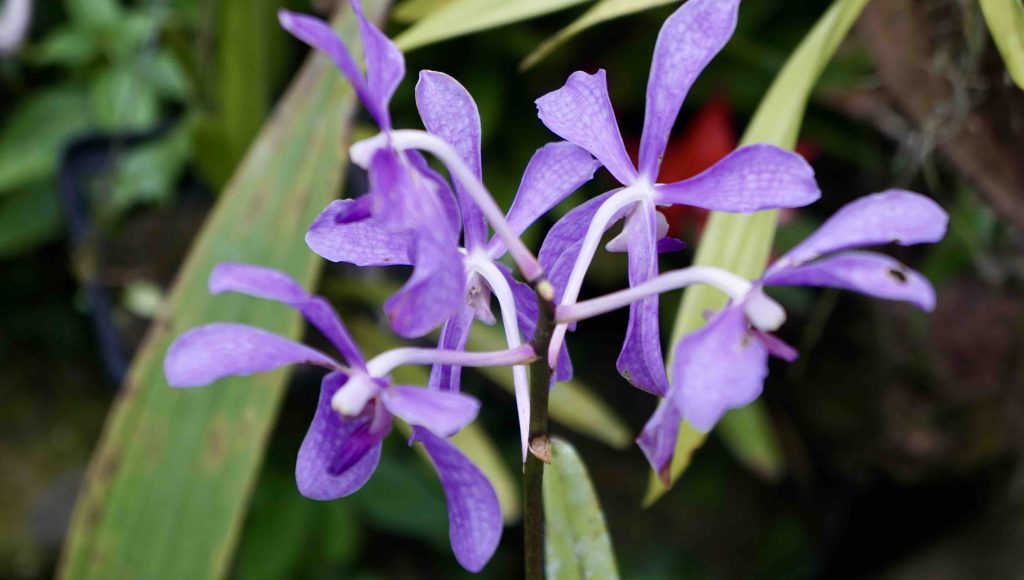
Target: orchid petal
point(271, 284)
point(688, 40)
point(869, 273)
point(409, 198)
point(338, 454)
point(442, 412)
point(448, 111)
point(385, 65)
point(555, 171)
point(581, 112)
point(777, 347)
point(453, 337)
point(366, 242)
point(658, 439)
point(319, 35)
point(474, 515)
point(749, 179)
point(893, 216)
point(719, 367)
point(448, 205)
point(214, 351)
point(641, 361)
point(435, 290)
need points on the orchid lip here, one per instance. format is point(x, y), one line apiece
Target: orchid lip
point(351, 399)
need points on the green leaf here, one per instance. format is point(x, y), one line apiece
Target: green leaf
point(93, 14)
point(28, 219)
point(461, 17)
point(1005, 20)
point(65, 46)
point(576, 545)
point(250, 48)
point(412, 10)
point(603, 11)
point(741, 243)
point(149, 174)
point(168, 485)
point(36, 130)
point(122, 99)
point(571, 403)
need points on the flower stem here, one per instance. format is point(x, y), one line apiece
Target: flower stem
point(533, 474)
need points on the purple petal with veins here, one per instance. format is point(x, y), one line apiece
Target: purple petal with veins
point(581, 112)
point(338, 454)
point(687, 42)
point(442, 412)
point(214, 351)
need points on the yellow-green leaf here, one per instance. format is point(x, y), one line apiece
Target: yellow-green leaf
point(412, 10)
point(741, 243)
point(1005, 20)
point(576, 542)
point(170, 480)
point(603, 11)
point(461, 17)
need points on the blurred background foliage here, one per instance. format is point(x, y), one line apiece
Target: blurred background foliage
point(121, 121)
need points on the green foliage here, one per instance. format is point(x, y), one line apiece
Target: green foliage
point(1005, 20)
point(603, 11)
point(170, 480)
point(577, 545)
point(741, 243)
point(460, 17)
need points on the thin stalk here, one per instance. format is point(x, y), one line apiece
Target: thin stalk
point(533, 474)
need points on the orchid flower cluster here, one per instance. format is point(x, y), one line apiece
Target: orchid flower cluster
point(414, 216)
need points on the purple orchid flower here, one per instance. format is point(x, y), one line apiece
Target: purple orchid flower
point(555, 171)
point(357, 403)
point(750, 179)
point(723, 365)
point(409, 215)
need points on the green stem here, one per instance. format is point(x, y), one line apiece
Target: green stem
point(533, 474)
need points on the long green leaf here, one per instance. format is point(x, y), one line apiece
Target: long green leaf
point(168, 485)
point(741, 243)
point(603, 11)
point(461, 17)
point(1005, 20)
point(577, 545)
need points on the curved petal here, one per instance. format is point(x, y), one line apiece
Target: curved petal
point(719, 367)
point(319, 35)
point(869, 273)
point(338, 454)
point(214, 351)
point(435, 290)
point(641, 361)
point(449, 207)
point(749, 179)
point(408, 196)
point(453, 337)
point(688, 40)
point(474, 515)
point(442, 412)
point(448, 111)
point(555, 171)
point(894, 216)
point(385, 65)
point(271, 284)
point(658, 439)
point(526, 313)
point(581, 112)
point(366, 242)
